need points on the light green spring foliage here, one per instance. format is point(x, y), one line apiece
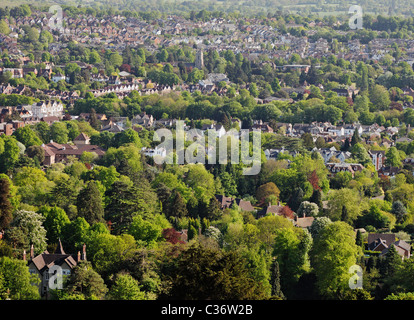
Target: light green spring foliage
point(334, 252)
point(16, 283)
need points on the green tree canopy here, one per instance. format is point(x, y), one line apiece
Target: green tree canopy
point(16, 283)
point(333, 254)
point(210, 273)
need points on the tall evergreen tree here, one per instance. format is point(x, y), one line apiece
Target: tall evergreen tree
point(124, 201)
point(93, 120)
point(355, 138)
point(371, 263)
point(209, 273)
point(344, 215)
point(6, 207)
point(177, 206)
point(398, 209)
point(85, 281)
point(275, 85)
point(317, 198)
point(358, 239)
point(120, 205)
point(164, 194)
point(296, 199)
point(275, 280)
point(213, 210)
point(391, 263)
point(89, 203)
point(192, 232)
point(346, 146)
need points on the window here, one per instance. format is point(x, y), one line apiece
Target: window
point(66, 272)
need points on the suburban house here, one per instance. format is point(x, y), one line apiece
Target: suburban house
point(350, 129)
point(81, 139)
point(58, 77)
point(215, 78)
point(388, 171)
point(56, 152)
point(229, 202)
point(345, 92)
point(42, 263)
point(112, 127)
point(378, 158)
point(50, 119)
point(14, 72)
point(336, 130)
point(243, 205)
point(334, 168)
point(220, 131)
point(382, 241)
point(262, 127)
point(87, 116)
point(304, 222)
point(156, 152)
point(273, 153)
point(328, 153)
point(43, 109)
point(270, 209)
point(143, 119)
point(8, 128)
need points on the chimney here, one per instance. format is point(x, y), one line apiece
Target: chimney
point(24, 255)
point(31, 252)
point(79, 256)
point(84, 252)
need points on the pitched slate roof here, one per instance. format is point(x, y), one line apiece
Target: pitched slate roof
point(243, 204)
point(402, 244)
point(81, 137)
point(46, 260)
point(402, 252)
point(229, 202)
point(304, 222)
point(54, 148)
point(275, 209)
point(225, 202)
point(374, 239)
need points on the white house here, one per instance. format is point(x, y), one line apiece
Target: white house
point(338, 131)
point(159, 152)
point(328, 153)
point(43, 109)
point(220, 131)
point(350, 129)
point(57, 77)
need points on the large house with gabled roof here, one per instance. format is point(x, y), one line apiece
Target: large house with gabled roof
point(56, 152)
point(383, 241)
point(42, 264)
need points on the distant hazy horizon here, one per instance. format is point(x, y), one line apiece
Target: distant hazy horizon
point(249, 7)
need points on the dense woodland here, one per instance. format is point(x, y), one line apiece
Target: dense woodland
point(241, 8)
point(130, 212)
